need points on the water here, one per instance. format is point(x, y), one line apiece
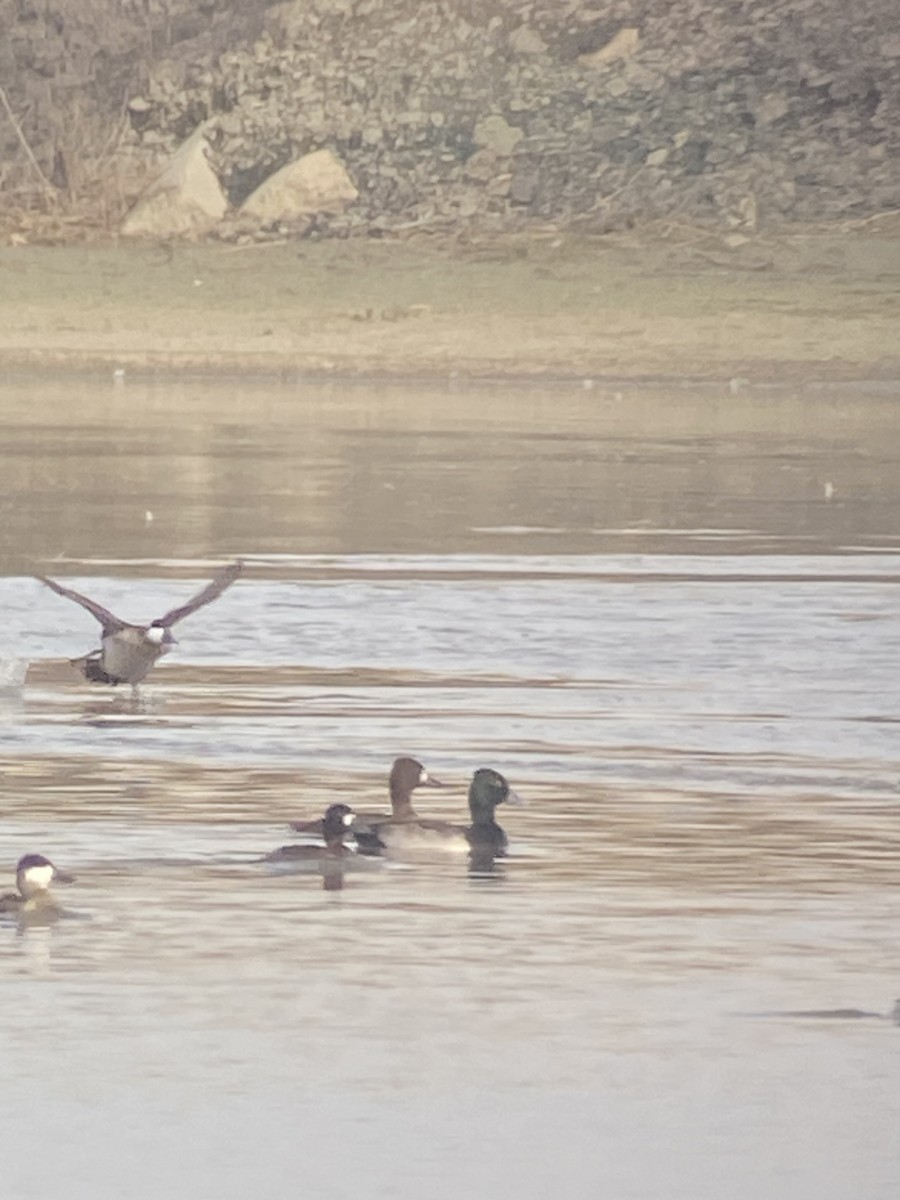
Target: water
point(671, 620)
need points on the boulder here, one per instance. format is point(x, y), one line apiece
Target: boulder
point(185, 199)
point(481, 166)
point(771, 109)
point(315, 183)
point(494, 134)
point(526, 41)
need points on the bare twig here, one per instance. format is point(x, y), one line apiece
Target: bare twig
point(253, 246)
point(731, 264)
point(113, 143)
point(603, 201)
point(24, 143)
point(862, 222)
point(431, 220)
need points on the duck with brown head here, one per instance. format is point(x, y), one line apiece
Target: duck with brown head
point(407, 774)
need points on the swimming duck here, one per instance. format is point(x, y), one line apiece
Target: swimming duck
point(487, 789)
point(335, 825)
point(34, 874)
point(127, 652)
point(407, 774)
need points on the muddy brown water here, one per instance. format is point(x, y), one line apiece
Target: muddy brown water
point(671, 619)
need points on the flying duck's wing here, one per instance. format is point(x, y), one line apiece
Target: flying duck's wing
point(221, 580)
point(110, 623)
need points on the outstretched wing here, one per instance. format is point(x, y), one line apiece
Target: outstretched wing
point(222, 579)
point(110, 622)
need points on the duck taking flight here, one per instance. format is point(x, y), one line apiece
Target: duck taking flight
point(127, 652)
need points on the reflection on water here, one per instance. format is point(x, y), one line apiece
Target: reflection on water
point(672, 621)
point(225, 468)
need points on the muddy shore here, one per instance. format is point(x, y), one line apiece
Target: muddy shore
point(805, 307)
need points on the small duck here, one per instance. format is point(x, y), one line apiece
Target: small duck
point(335, 826)
point(34, 874)
point(127, 652)
point(487, 789)
point(407, 774)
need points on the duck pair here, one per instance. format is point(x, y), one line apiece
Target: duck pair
point(34, 875)
point(404, 830)
point(128, 652)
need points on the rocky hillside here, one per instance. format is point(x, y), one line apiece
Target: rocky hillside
point(743, 112)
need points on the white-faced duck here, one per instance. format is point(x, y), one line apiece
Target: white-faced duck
point(407, 774)
point(335, 825)
point(127, 652)
point(487, 789)
point(34, 874)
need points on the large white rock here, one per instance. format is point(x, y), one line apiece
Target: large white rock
point(185, 199)
point(315, 183)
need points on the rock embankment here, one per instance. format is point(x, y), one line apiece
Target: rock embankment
point(448, 111)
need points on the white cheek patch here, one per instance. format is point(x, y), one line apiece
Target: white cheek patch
point(155, 635)
point(423, 776)
point(39, 877)
point(348, 818)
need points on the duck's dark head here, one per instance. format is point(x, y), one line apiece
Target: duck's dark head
point(337, 820)
point(34, 874)
point(488, 789)
point(407, 774)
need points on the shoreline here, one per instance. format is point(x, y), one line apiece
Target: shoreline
point(763, 376)
point(807, 308)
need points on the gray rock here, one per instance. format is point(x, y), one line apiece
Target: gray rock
point(523, 186)
point(499, 186)
point(481, 166)
point(771, 109)
point(494, 134)
point(526, 41)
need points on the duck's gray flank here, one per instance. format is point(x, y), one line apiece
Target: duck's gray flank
point(487, 789)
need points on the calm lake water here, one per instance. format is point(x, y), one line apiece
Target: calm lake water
point(672, 620)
